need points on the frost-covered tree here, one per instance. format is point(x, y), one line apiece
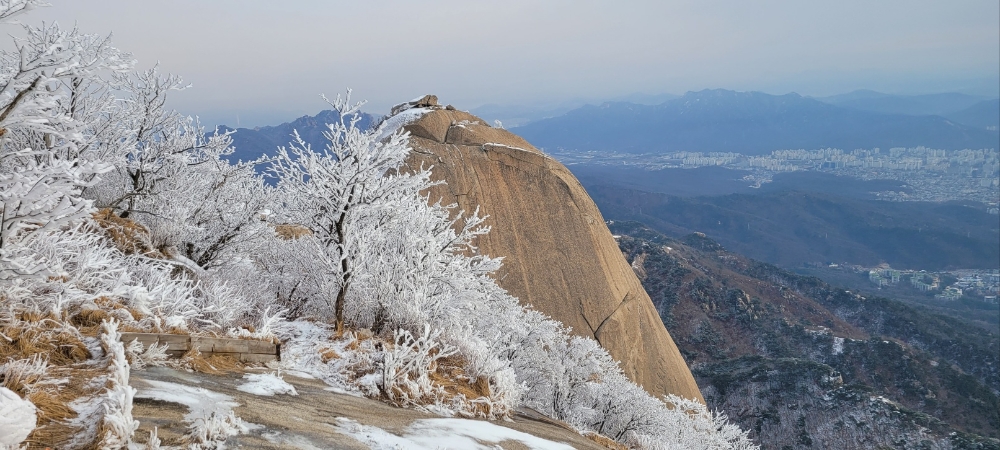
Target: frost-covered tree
point(41, 177)
point(39, 193)
point(344, 191)
point(78, 127)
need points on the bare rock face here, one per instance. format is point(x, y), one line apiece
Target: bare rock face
point(559, 255)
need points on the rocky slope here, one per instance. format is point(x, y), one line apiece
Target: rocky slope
point(800, 363)
point(559, 255)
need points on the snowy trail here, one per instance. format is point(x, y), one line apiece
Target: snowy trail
point(457, 434)
point(318, 418)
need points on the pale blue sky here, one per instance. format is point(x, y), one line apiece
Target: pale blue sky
point(267, 61)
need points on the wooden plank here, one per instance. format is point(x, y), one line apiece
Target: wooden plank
point(251, 351)
point(145, 341)
point(215, 345)
point(174, 342)
point(144, 338)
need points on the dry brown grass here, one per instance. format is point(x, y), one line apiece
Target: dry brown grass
point(606, 442)
point(52, 407)
point(450, 375)
point(52, 338)
point(328, 354)
point(127, 235)
point(53, 402)
point(33, 333)
point(114, 304)
point(52, 436)
point(290, 231)
point(446, 373)
point(212, 365)
point(19, 383)
point(89, 317)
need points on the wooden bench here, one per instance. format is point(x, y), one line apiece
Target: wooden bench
point(240, 349)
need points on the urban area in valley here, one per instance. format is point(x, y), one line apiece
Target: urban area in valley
point(927, 174)
point(977, 284)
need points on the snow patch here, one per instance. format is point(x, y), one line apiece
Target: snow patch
point(430, 434)
point(201, 402)
point(400, 120)
point(374, 437)
point(299, 374)
point(838, 345)
point(266, 384)
point(464, 433)
point(210, 414)
point(89, 410)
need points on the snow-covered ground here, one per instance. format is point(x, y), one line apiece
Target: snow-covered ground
point(318, 418)
point(266, 384)
point(432, 434)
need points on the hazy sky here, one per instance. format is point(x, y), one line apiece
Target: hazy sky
point(267, 61)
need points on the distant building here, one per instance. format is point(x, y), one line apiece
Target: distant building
point(950, 293)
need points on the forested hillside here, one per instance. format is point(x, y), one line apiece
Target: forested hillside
point(792, 228)
point(802, 363)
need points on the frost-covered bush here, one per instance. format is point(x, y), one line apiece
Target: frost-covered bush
point(38, 194)
point(140, 356)
point(407, 365)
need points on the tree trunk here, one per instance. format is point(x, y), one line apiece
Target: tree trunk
point(345, 282)
point(338, 307)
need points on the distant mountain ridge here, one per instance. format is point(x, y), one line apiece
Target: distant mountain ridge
point(519, 115)
point(252, 143)
point(747, 122)
point(941, 104)
point(985, 114)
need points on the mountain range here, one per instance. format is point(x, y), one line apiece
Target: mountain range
point(252, 143)
point(746, 122)
point(941, 104)
point(711, 120)
point(518, 115)
point(985, 114)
